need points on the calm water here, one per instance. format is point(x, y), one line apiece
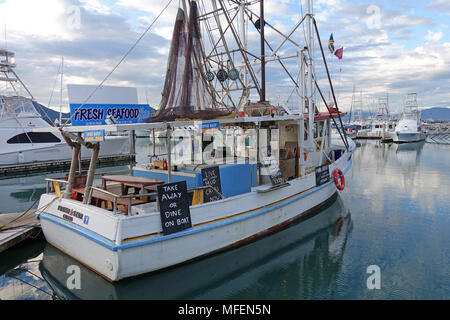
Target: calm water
point(398, 204)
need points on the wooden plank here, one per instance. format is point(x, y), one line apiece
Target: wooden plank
point(24, 225)
point(8, 240)
point(18, 219)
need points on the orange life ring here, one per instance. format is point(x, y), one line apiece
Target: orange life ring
point(338, 175)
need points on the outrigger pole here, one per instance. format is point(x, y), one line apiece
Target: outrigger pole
point(309, 70)
point(344, 139)
point(75, 142)
point(263, 59)
point(76, 146)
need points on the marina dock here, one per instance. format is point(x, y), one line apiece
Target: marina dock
point(23, 168)
point(17, 227)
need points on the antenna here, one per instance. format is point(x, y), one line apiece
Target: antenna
point(6, 41)
point(263, 58)
point(61, 91)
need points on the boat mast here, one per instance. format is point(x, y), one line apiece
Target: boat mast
point(61, 91)
point(309, 70)
point(243, 29)
point(301, 128)
point(6, 66)
point(263, 59)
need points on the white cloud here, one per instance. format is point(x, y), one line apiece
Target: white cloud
point(44, 19)
point(96, 6)
point(434, 36)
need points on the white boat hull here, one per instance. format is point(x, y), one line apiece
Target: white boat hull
point(113, 145)
point(119, 247)
point(289, 246)
point(408, 137)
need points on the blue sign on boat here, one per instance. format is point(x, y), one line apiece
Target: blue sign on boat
point(96, 114)
point(210, 126)
point(94, 136)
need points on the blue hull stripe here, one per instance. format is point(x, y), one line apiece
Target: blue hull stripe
point(142, 242)
point(78, 229)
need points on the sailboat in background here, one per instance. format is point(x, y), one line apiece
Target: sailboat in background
point(356, 124)
point(378, 126)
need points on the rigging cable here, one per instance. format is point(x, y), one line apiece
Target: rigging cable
point(54, 85)
point(123, 58)
point(331, 84)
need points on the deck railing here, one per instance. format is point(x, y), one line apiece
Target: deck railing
point(55, 183)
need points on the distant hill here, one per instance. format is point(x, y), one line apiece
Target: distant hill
point(436, 114)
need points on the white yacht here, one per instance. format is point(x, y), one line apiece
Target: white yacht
point(409, 128)
point(19, 117)
point(380, 126)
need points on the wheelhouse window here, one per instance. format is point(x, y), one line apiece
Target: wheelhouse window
point(34, 137)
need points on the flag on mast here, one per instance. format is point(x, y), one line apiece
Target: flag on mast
point(331, 44)
point(339, 53)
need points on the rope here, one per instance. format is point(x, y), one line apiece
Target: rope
point(334, 121)
point(38, 209)
point(20, 216)
point(121, 60)
point(331, 85)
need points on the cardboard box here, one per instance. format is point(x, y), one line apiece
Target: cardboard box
point(288, 168)
point(289, 151)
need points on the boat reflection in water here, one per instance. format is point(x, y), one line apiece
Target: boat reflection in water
point(412, 146)
point(408, 154)
point(303, 261)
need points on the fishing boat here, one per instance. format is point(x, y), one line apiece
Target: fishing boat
point(235, 169)
point(409, 127)
point(19, 117)
point(319, 240)
point(380, 126)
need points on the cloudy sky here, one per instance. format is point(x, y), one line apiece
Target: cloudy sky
point(390, 47)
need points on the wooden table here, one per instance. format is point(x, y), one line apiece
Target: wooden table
point(131, 181)
point(125, 181)
point(98, 197)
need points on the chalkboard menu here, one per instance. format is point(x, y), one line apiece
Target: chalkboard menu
point(211, 177)
point(322, 175)
point(277, 178)
point(174, 207)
